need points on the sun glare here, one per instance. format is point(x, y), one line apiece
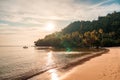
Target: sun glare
point(50, 27)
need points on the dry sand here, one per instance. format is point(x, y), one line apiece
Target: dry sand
point(104, 67)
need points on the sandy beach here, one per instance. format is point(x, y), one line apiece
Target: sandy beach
point(104, 67)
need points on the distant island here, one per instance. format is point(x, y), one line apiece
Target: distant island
point(104, 32)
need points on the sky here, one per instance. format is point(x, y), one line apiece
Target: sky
point(28, 18)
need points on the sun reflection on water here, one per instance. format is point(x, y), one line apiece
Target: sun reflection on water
point(49, 59)
point(54, 75)
point(50, 62)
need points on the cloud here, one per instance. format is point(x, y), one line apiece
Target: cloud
point(88, 2)
point(38, 12)
point(2, 24)
point(22, 21)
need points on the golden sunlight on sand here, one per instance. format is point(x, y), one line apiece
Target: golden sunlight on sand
point(105, 67)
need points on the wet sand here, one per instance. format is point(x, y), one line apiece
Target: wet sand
point(104, 67)
point(55, 73)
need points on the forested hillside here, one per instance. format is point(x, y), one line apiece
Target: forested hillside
point(104, 32)
point(109, 23)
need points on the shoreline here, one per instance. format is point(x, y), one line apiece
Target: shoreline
point(49, 48)
point(38, 72)
point(104, 67)
point(84, 59)
point(73, 64)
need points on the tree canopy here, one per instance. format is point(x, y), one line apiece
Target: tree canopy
point(102, 32)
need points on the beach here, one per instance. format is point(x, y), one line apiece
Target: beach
point(17, 63)
point(104, 67)
point(66, 63)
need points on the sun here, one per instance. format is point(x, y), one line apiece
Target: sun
point(50, 26)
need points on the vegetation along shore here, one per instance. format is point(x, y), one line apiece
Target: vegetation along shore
point(104, 32)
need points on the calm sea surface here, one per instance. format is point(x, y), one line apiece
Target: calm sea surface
point(17, 62)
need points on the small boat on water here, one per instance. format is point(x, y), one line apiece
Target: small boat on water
point(25, 47)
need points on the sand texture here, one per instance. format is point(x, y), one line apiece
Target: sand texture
point(104, 67)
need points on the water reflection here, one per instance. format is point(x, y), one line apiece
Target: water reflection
point(50, 62)
point(49, 59)
point(54, 75)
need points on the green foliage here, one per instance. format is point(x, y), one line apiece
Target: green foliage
point(102, 32)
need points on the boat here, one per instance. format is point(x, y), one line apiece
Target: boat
point(25, 47)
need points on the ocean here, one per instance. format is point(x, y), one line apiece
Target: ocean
point(19, 63)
